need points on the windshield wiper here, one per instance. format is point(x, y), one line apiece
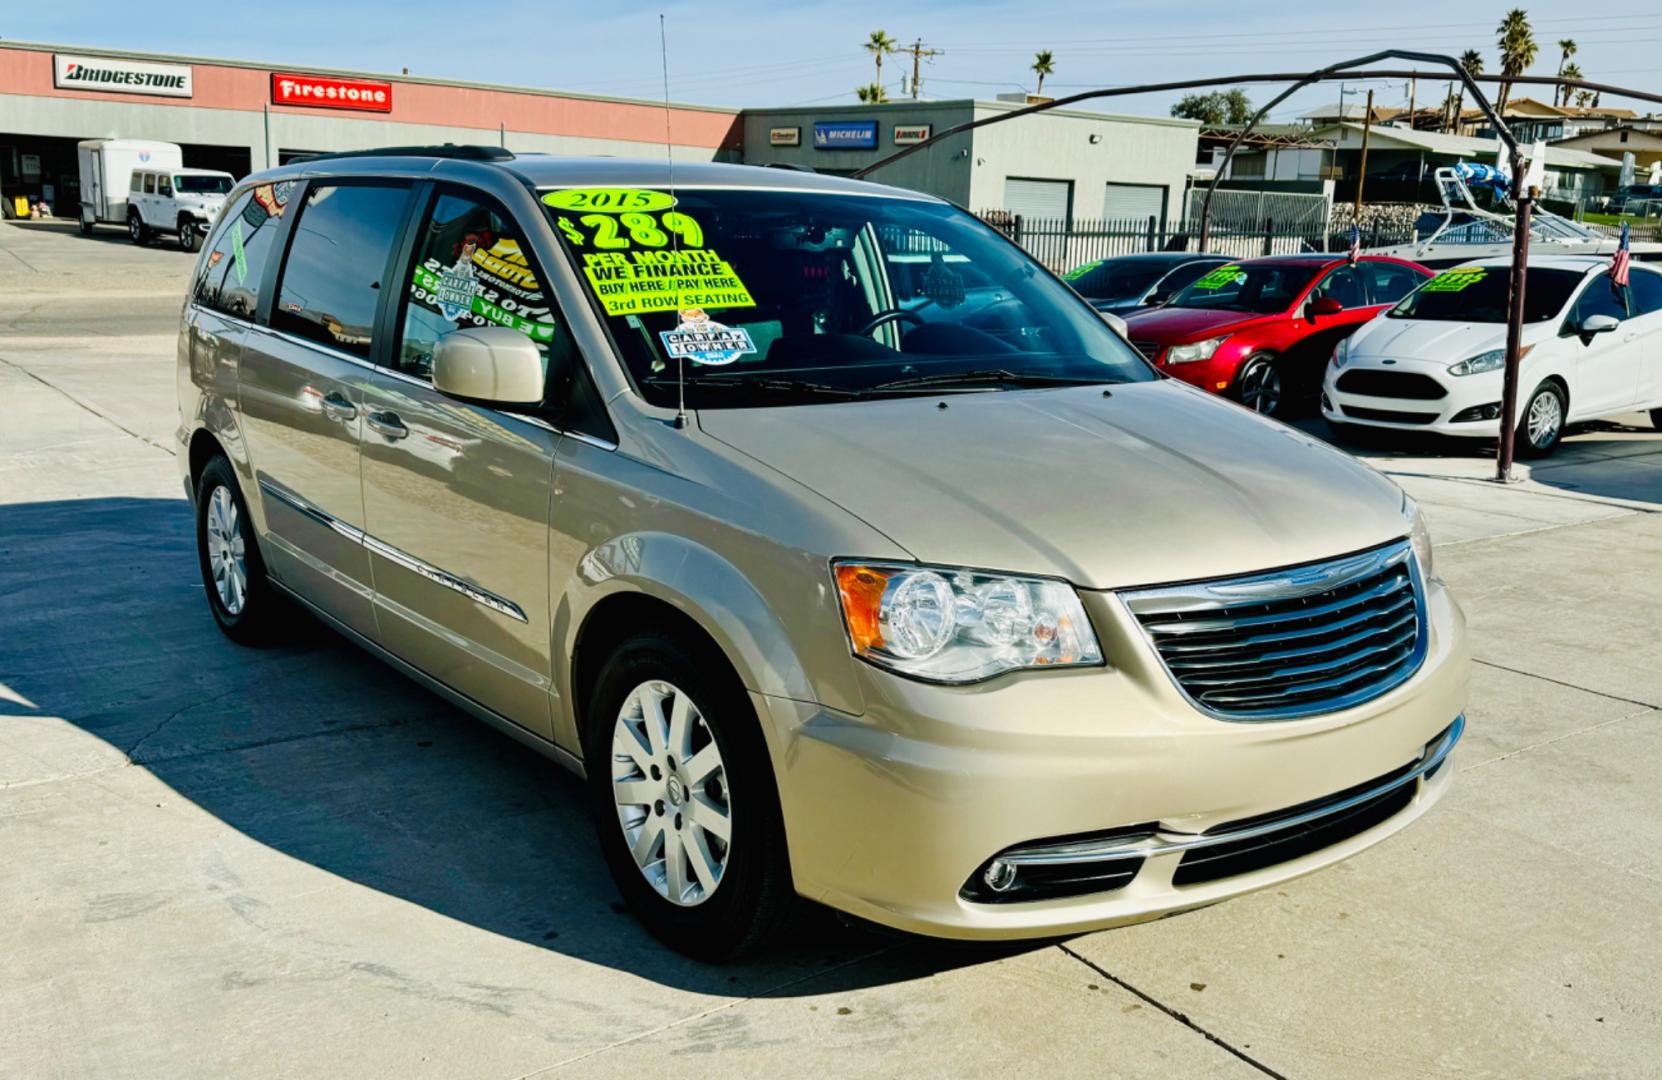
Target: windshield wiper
point(771, 384)
point(986, 377)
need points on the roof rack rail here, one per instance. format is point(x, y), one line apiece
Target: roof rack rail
point(461, 152)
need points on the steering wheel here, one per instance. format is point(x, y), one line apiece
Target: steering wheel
point(887, 317)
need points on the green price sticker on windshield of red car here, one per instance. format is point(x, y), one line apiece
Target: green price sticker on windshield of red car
point(1223, 275)
point(1455, 280)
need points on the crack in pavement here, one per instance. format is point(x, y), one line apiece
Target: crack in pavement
point(174, 715)
point(1566, 685)
point(1180, 1017)
point(77, 401)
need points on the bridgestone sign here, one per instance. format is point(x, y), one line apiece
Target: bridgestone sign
point(120, 76)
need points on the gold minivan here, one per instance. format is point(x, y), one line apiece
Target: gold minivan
point(845, 550)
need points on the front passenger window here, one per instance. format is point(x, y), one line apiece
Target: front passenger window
point(1344, 285)
point(1598, 298)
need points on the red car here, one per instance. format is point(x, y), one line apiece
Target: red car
point(1261, 330)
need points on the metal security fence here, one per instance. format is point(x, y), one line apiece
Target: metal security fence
point(1246, 209)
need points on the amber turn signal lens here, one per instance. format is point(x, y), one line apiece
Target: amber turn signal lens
point(862, 593)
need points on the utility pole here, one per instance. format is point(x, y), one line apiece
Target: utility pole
point(1362, 170)
point(1413, 87)
point(918, 52)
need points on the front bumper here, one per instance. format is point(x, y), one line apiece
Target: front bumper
point(888, 815)
point(1469, 408)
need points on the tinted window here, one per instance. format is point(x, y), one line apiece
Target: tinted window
point(1344, 284)
point(203, 185)
point(784, 297)
point(1478, 294)
point(1647, 291)
point(332, 276)
point(1185, 275)
point(1390, 281)
point(1259, 288)
point(1116, 279)
point(234, 267)
point(1599, 298)
point(149, 183)
point(164, 185)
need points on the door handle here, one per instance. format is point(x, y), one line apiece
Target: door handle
point(387, 424)
point(338, 408)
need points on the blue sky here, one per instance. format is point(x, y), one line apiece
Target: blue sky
point(776, 54)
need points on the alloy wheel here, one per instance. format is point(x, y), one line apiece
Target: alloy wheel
point(226, 551)
point(1261, 388)
point(670, 789)
point(1546, 416)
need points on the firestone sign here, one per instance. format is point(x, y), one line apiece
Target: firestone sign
point(329, 92)
point(120, 76)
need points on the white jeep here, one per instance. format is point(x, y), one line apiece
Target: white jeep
point(180, 201)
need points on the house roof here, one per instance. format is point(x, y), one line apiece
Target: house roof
point(1349, 137)
point(1637, 136)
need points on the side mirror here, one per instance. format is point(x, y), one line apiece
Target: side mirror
point(1116, 323)
point(1324, 305)
point(490, 364)
point(1597, 324)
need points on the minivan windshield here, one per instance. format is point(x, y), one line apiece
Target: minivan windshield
point(202, 185)
point(770, 297)
point(1478, 294)
point(1255, 288)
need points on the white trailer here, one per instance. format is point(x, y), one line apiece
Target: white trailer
point(107, 167)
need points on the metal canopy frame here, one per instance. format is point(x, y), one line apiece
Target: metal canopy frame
point(1343, 71)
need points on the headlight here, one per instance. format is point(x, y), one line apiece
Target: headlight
point(1341, 352)
point(1493, 360)
point(949, 625)
point(1419, 536)
point(1200, 350)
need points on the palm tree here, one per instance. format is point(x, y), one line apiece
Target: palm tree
point(880, 44)
point(1571, 70)
point(1471, 62)
point(1517, 49)
point(1566, 49)
point(873, 94)
point(1044, 64)
point(1583, 98)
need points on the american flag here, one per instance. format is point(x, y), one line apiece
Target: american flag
point(1356, 242)
point(1618, 264)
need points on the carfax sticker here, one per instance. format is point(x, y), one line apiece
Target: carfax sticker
point(1455, 280)
point(704, 341)
point(1222, 276)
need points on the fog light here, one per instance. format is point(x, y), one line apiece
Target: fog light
point(1490, 411)
point(1000, 876)
point(1327, 403)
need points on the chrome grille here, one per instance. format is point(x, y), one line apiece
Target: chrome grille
point(1296, 642)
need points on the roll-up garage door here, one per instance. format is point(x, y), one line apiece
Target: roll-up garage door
point(1137, 202)
point(1050, 200)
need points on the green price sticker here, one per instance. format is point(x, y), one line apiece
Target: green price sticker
point(609, 200)
point(1080, 271)
point(1223, 275)
point(239, 261)
point(1455, 280)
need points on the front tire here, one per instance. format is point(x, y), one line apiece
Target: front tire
point(188, 239)
point(1260, 386)
point(137, 231)
point(1542, 426)
point(684, 798)
point(244, 603)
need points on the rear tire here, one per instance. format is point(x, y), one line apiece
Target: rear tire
point(137, 231)
point(246, 606)
point(1541, 427)
point(188, 239)
point(646, 771)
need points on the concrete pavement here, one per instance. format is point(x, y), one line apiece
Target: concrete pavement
point(292, 861)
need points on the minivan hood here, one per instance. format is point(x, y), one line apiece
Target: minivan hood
point(1169, 325)
point(1157, 483)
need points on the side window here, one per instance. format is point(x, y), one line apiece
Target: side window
point(332, 276)
point(137, 184)
point(234, 267)
point(1646, 291)
point(1185, 275)
point(1599, 298)
point(1343, 284)
point(164, 186)
point(1390, 281)
point(471, 268)
point(149, 183)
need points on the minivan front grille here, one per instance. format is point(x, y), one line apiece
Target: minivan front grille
point(1297, 642)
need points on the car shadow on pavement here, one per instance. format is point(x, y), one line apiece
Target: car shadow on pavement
point(319, 751)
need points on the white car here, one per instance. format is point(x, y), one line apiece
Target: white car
point(183, 202)
point(1434, 362)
